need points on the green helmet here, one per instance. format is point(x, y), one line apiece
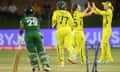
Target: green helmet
point(28, 10)
point(61, 5)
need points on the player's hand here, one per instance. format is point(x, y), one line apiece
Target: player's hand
point(88, 5)
point(93, 5)
point(20, 39)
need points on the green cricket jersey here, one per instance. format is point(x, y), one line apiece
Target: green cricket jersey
point(31, 23)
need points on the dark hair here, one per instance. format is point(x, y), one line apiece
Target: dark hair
point(74, 7)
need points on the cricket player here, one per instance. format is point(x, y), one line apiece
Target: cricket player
point(62, 20)
point(78, 29)
point(107, 13)
point(33, 40)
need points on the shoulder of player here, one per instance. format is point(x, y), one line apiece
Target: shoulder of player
point(109, 10)
point(63, 10)
point(67, 12)
point(23, 18)
point(79, 13)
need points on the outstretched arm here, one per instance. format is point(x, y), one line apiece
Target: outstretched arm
point(88, 11)
point(98, 11)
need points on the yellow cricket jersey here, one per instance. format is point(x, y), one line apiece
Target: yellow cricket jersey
point(62, 18)
point(107, 17)
point(78, 20)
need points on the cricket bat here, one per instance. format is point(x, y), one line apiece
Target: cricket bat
point(16, 58)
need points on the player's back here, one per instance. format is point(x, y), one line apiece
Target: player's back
point(31, 23)
point(62, 18)
point(78, 20)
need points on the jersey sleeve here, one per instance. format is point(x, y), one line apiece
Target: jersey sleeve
point(81, 14)
point(54, 19)
point(100, 12)
point(21, 21)
point(38, 21)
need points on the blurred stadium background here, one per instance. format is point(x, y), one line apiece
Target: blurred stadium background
point(11, 11)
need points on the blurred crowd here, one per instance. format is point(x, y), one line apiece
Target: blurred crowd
point(8, 10)
point(13, 9)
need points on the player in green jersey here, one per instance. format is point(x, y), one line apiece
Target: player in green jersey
point(33, 39)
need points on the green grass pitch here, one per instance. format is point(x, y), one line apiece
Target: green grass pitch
point(6, 59)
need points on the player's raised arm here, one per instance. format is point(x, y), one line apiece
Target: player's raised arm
point(107, 15)
point(99, 11)
point(88, 11)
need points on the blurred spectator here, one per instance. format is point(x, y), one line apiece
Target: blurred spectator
point(117, 12)
point(46, 10)
point(12, 9)
point(0, 9)
point(3, 9)
point(37, 9)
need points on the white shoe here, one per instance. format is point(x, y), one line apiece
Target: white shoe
point(73, 58)
point(72, 61)
point(36, 69)
point(46, 68)
point(109, 61)
point(100, 62)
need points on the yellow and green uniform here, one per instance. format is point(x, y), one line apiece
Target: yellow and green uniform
point(79, 36)
point(63, 21)
point(106, 34)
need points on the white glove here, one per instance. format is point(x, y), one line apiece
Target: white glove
point(20, 39)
